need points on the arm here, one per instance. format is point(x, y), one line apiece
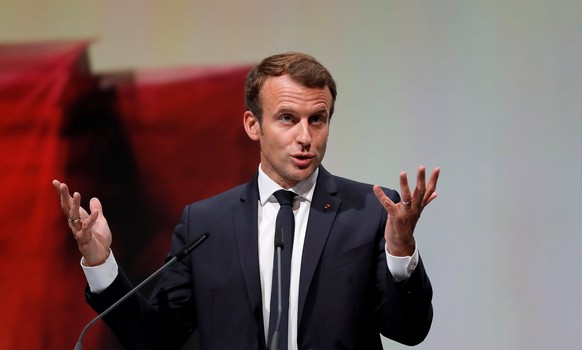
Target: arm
point(166, 320)
point(405, 313)
point(136, 324)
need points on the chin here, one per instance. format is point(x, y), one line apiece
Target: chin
point(302, 174)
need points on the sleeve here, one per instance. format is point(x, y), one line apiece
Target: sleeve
point(404, 312)
point(401, 267)
point(100, 277)
point(163, 322)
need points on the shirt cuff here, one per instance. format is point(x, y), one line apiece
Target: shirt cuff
point(401, 267)
point(101, 276)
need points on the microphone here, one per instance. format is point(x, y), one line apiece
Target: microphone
point(187, 249)
point(279, 245)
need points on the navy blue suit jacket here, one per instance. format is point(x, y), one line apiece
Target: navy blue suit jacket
point(347, 296)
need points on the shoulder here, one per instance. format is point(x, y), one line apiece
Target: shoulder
point(222, 199)
point(215, 210)
point(348, 188)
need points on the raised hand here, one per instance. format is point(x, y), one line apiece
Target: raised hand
point(90, 230)
point(403, 216)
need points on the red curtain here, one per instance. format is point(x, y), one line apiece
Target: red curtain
point(146, 143)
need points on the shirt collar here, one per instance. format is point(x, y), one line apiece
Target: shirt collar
point(267, 187)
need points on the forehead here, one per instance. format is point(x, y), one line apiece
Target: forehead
point(284, 92)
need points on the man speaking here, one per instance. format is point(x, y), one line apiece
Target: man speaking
point(297, 258)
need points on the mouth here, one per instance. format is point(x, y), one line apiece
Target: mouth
point(303, 156)
point(302, 160)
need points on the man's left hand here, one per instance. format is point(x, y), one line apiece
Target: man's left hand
point(403, 216)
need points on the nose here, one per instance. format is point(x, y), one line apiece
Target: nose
point(304, 134)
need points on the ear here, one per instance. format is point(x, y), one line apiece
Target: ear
point(252, 125)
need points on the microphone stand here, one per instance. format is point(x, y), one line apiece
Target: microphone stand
point(185, 251)
point(279, 245)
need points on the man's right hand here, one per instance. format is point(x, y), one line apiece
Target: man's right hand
point(91, 231)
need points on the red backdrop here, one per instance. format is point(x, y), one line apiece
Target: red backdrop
point(145, 142)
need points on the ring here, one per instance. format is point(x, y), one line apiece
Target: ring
point(73, 220)
point(406, 203)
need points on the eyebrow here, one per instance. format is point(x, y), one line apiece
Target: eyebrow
point(320, 111)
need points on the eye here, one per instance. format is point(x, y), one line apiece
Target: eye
point(317, 119)
point(286, 118)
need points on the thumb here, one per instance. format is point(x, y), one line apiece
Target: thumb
point(95, 205)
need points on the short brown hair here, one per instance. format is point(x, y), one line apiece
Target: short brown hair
point(302, 68)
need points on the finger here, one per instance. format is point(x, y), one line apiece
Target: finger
point(74, 214)
point(384, 200)
point(420, 189)
point(431, 198)
point(95, 206)
point(57, 185)
point(404, 188)
point(434, 178)
point(420, 178)
point(431, 187)
point(90, 220)
point(64, 195)
point(76, 205)
point(85, 233)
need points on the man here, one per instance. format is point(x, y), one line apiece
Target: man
point(354, 270)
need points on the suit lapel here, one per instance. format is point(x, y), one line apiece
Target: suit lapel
point(246, 235)
point(324, 208)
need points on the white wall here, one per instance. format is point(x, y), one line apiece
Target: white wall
point(488, 90)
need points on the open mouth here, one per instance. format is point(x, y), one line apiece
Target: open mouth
point(303, 160)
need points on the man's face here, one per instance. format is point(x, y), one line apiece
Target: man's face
point(294, 130)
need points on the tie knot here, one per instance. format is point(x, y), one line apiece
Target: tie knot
point(285, 197)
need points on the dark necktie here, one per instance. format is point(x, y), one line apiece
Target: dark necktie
point(285, 223)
